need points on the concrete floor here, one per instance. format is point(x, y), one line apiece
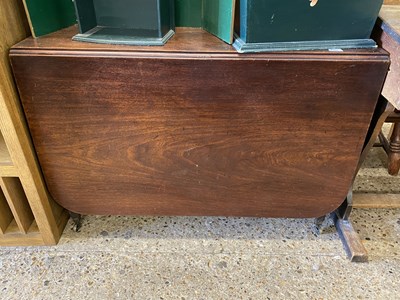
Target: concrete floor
point(213, 258)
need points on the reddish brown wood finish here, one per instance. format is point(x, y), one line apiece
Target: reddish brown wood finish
point(205, 132)
point(394, 153)
point(387, 35)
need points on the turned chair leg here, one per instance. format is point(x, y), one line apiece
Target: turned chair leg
point(394, 151)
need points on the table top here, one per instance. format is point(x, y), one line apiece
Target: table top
point(186, 41)
point(265, 136)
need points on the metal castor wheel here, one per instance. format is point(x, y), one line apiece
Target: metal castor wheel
point(77, 219)
point(323, 224)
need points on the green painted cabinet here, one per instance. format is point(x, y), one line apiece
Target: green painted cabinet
point(130, 22)
point(303, 24)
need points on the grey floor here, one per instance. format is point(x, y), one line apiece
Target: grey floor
point(213, 258)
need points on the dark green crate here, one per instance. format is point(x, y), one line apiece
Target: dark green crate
point(130, 22)
point(270, 25)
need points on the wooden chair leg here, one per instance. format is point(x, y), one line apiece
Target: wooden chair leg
point(394, 151)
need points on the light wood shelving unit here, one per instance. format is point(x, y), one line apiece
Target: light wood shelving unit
point(28, 215)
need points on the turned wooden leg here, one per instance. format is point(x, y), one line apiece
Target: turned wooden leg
point(394, 151)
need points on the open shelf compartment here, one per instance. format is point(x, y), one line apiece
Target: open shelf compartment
point(5, 159)
point(14, 205)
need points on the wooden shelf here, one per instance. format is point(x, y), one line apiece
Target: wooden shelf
point(13, 236)
point(5, 159)
point(17, 202)
point(28, 215)
point(6, 166)
point(33, 237)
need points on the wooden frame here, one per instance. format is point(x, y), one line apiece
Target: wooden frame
point(28, 215)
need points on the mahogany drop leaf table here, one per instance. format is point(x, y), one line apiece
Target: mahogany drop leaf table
point(194, 128)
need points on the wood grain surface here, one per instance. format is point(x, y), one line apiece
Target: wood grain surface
point(391, 2)
point(206, 132)
point(385, 201)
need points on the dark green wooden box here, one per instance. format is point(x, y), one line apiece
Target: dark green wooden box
point(276, 25)
point(130, 22)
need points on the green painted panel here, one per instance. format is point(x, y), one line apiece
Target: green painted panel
point(188, 13)
point(218, 18)
point(296, 20)
point(215, 16)
point(50, 15)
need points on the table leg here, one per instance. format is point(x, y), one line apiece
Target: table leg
point(350, 239)
point(394, 151)
point(77, 219)
point(355, 250)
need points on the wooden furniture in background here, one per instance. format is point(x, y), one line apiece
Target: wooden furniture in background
point(387, 35)
point(391, 2)
point(28, 216)
point(385, 201)
point(392, 146)
point(194, 128)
